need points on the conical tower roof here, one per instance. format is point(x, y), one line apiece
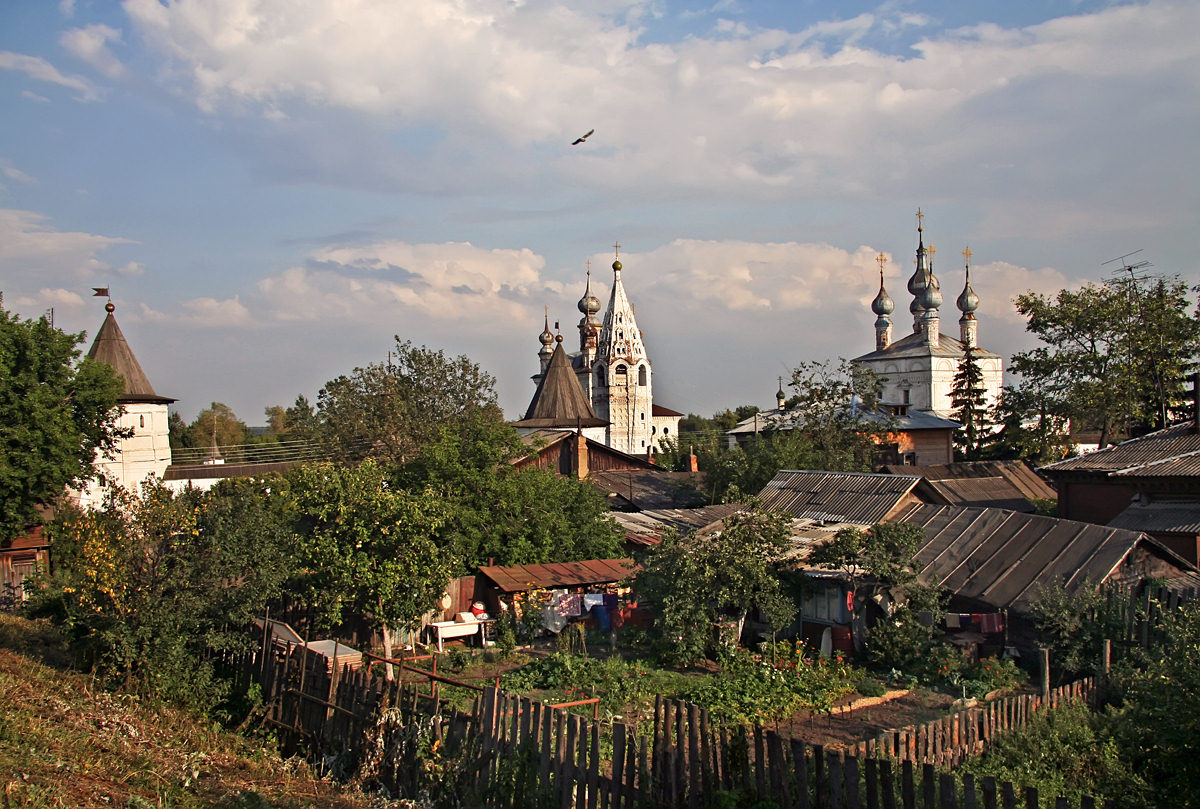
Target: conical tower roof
point(111, 348)
point(620, 338)
point(559, 400)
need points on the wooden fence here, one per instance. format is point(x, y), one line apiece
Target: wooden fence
point(511, 751)
point(951, 740)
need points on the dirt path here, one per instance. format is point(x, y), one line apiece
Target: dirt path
point(865, 718)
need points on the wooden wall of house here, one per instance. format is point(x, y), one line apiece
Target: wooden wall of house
point(1094, 502)
point(931, 446)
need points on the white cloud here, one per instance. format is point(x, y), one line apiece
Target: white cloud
point(447, 282)
point(32, 252)
point(203, 313)
point(39, 69)
point(751, 111)
point(90, 44)
point(15, 174)
point(32, 96)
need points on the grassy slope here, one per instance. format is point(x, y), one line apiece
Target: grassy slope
point(66, 743)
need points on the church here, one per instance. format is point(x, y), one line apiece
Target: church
point(611, 400)
point(918, 369)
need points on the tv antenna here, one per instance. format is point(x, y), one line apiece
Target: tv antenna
point(1130, 267)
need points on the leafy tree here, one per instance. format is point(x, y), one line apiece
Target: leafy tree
point(369, 547)
point(876, 561)
point(504, 514)
point(57, 412)
point(1114, 355)
point(151, 585)
point(218, 425)
point(388, 411)
point(836, 406)
point(968, 397)
point(1033, 428)
point(701, 578)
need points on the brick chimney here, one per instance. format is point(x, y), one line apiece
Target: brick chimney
point(580, 465)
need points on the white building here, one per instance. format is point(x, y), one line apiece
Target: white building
point(614, 372)
point(147, 451)
point(919, 368)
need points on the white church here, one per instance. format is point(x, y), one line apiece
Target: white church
point(919, 367)
point(611, 400)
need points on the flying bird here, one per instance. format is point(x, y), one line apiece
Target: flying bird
point(578, 141)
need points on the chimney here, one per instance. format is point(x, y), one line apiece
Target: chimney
point(580, 467)
point(693, 461)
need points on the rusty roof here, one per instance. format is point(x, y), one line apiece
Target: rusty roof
point(653, 488)
point(1004, 559)
point(844, 497)
point(646, 527)
point(1178, 442)
point(518, 578)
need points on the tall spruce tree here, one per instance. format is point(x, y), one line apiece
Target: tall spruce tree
point(968, 397)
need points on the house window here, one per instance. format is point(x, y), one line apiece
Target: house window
point(643, 417)
point(907, 396)
point(141, 421)
point(642, 375)
point(826, 605)
point(600, 377)
point(666, 430)
point(621, 372)
point(910, 459)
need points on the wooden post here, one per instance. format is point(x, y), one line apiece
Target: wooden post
point(887, 785)
point(1044, 656)
point(800, 765)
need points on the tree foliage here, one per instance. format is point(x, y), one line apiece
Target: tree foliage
point(699, 579)
point(56, 413)
point(968, 397)
point(387, 411)
point(368, 547)
point(151, 584)
point(504, 514)
point(1114, 356)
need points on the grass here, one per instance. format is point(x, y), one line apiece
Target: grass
point(64, 742)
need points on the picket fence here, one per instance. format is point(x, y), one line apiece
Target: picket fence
point(509, 751)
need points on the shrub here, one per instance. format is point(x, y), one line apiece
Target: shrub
point(870, 687)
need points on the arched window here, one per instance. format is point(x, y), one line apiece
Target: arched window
point(600, 379)
point(666, 430)
point(642, 375)
point(621, 373)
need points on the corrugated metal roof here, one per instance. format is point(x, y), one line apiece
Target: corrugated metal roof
point(1174, 442)
point(787, 419)
point(1177, 518)
point(651, 524)
point(849, 497)
point(518, 578)
point(1179, 467)
point(1022, 482)
point(648, 488)
point(1004, 559)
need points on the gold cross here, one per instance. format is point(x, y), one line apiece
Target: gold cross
point(881, 260)
point(616, 249)
point(967, 254)
point(920, 219)
point(932, 251)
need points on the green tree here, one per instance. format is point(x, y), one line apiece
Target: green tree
point(57, 412)
point(368, 547)
point(701, 578)
point(151, 585)
point(968, 397)
point(506, 514)
point(876, 561)
point(217, 425)
point(1032, 428)
point(1114, 355)
point(388, 411)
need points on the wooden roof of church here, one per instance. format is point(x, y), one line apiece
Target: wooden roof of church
point(559, 400)
point(111, 348)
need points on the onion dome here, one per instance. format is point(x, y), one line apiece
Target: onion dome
point(931, 295)
point(968, 301)
point(883, 303)
point(589, 304)
point(547, 336)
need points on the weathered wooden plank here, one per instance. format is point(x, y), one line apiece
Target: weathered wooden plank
point(835, 782)
point(781, 788)
point(871, 782)
point(800, 768)
point(887, 785)
point(908, 790)
point(851, 771)
point(760, 764)
point(695, 759)
point(928, 786)
point(947, 791)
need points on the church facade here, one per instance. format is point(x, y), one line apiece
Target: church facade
point(614, 374)
point(918, 369)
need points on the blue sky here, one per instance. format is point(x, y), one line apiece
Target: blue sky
point(272, 190)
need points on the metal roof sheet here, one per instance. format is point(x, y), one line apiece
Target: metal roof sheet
point(915, 345)
point(849, 497)
point(518, 578)
point(648, 488)
point(1175, 518)
point(1004, 558)
point(1174, 442)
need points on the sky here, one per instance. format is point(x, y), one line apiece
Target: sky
point(274, 190)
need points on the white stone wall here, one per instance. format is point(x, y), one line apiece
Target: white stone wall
point(146, 452)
